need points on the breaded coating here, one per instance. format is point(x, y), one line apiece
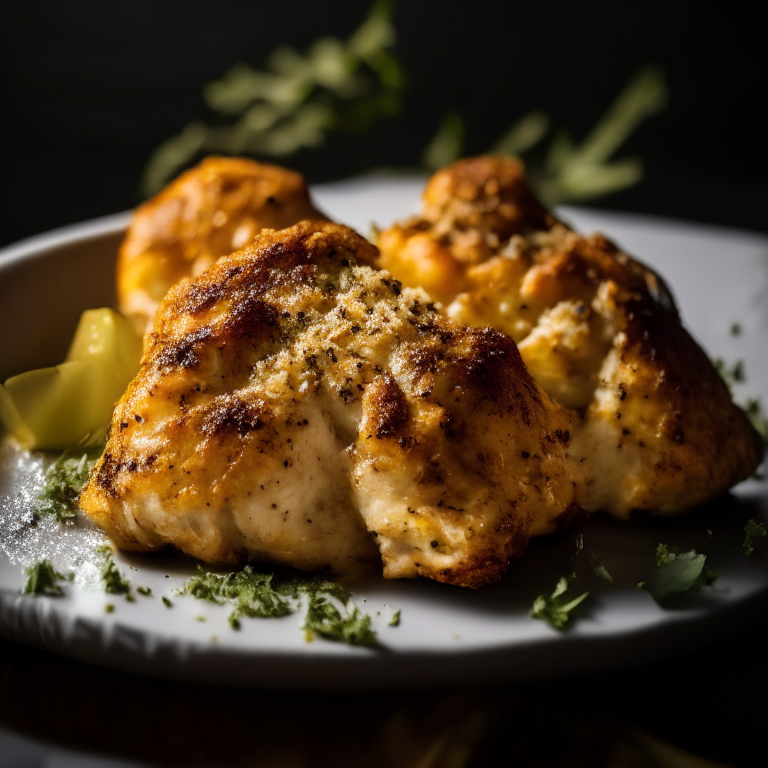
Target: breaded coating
point(298, 406)
point(598, 331)
point(210, 211)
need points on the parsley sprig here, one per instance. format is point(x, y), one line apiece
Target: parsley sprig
point(295, 102)
point(557, 607)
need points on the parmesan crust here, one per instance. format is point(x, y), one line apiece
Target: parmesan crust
point(297, 405)
point(656, 430)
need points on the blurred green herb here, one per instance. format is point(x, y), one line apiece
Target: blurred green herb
point(736, 374)
point(585, 560)
point(753, 530)
point(298, 100)
point(754, 410)
point(570, 171)
point(64, 481)
point(731, 375)
point(677, 573)
point(557, 607)
point(42, 579)
point(295, 102)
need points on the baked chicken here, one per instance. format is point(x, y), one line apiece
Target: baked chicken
point(208, 212)
point(295, 404)
point(656, 431)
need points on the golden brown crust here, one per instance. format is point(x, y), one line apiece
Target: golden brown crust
point(210, 211)
point(595, 328)
point(292, 397)
point(486, 196)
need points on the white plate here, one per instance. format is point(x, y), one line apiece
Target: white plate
point(447, 636)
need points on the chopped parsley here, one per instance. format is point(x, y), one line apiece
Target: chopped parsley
point(395, 620)
point(556, 608)
point(754, 410)
point(330, 612)
point(677, 573)
point(114, 582)
point(250, 592)
point(588, 561)
point(730, 375)
point(752, 407)
point(753, 530)
point(347, 625)
point(166, 602)
point(42, 579)
point(65, 480)
point(144, 591)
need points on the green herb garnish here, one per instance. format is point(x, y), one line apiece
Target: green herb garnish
point(755, 414)
point(114, 582)
point(65, 480)
point(330, 612)
point(556, 608)
point(348, 624)
point(584, 560)
point(736, 374)
point(250, 592)
point(295, 102)
point(395, 620)
point(678, 573)
point(144, 591)
point(571, 171)
point(753, 530)
point(166, 602)
point(42, 579)
point(731, 375)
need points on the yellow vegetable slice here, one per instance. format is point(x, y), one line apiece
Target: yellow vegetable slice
point(71, 403)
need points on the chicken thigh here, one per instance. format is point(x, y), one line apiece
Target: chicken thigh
point(208, 212)
point(296, 405)
point(599, 332)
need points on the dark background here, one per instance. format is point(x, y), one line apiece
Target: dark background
point(92, 87)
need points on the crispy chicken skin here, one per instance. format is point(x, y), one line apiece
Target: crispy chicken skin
point(296, 405)
point(598, 331)
point(210, 211)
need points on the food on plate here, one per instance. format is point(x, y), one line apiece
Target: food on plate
point(210, 211)
point(656, 430)
point(295, 404)
point(485, 376)
point(71, 403)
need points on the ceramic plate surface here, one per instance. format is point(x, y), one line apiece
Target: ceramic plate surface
point(447, 636)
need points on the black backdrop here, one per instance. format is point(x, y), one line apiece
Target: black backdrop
point(91, 87)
